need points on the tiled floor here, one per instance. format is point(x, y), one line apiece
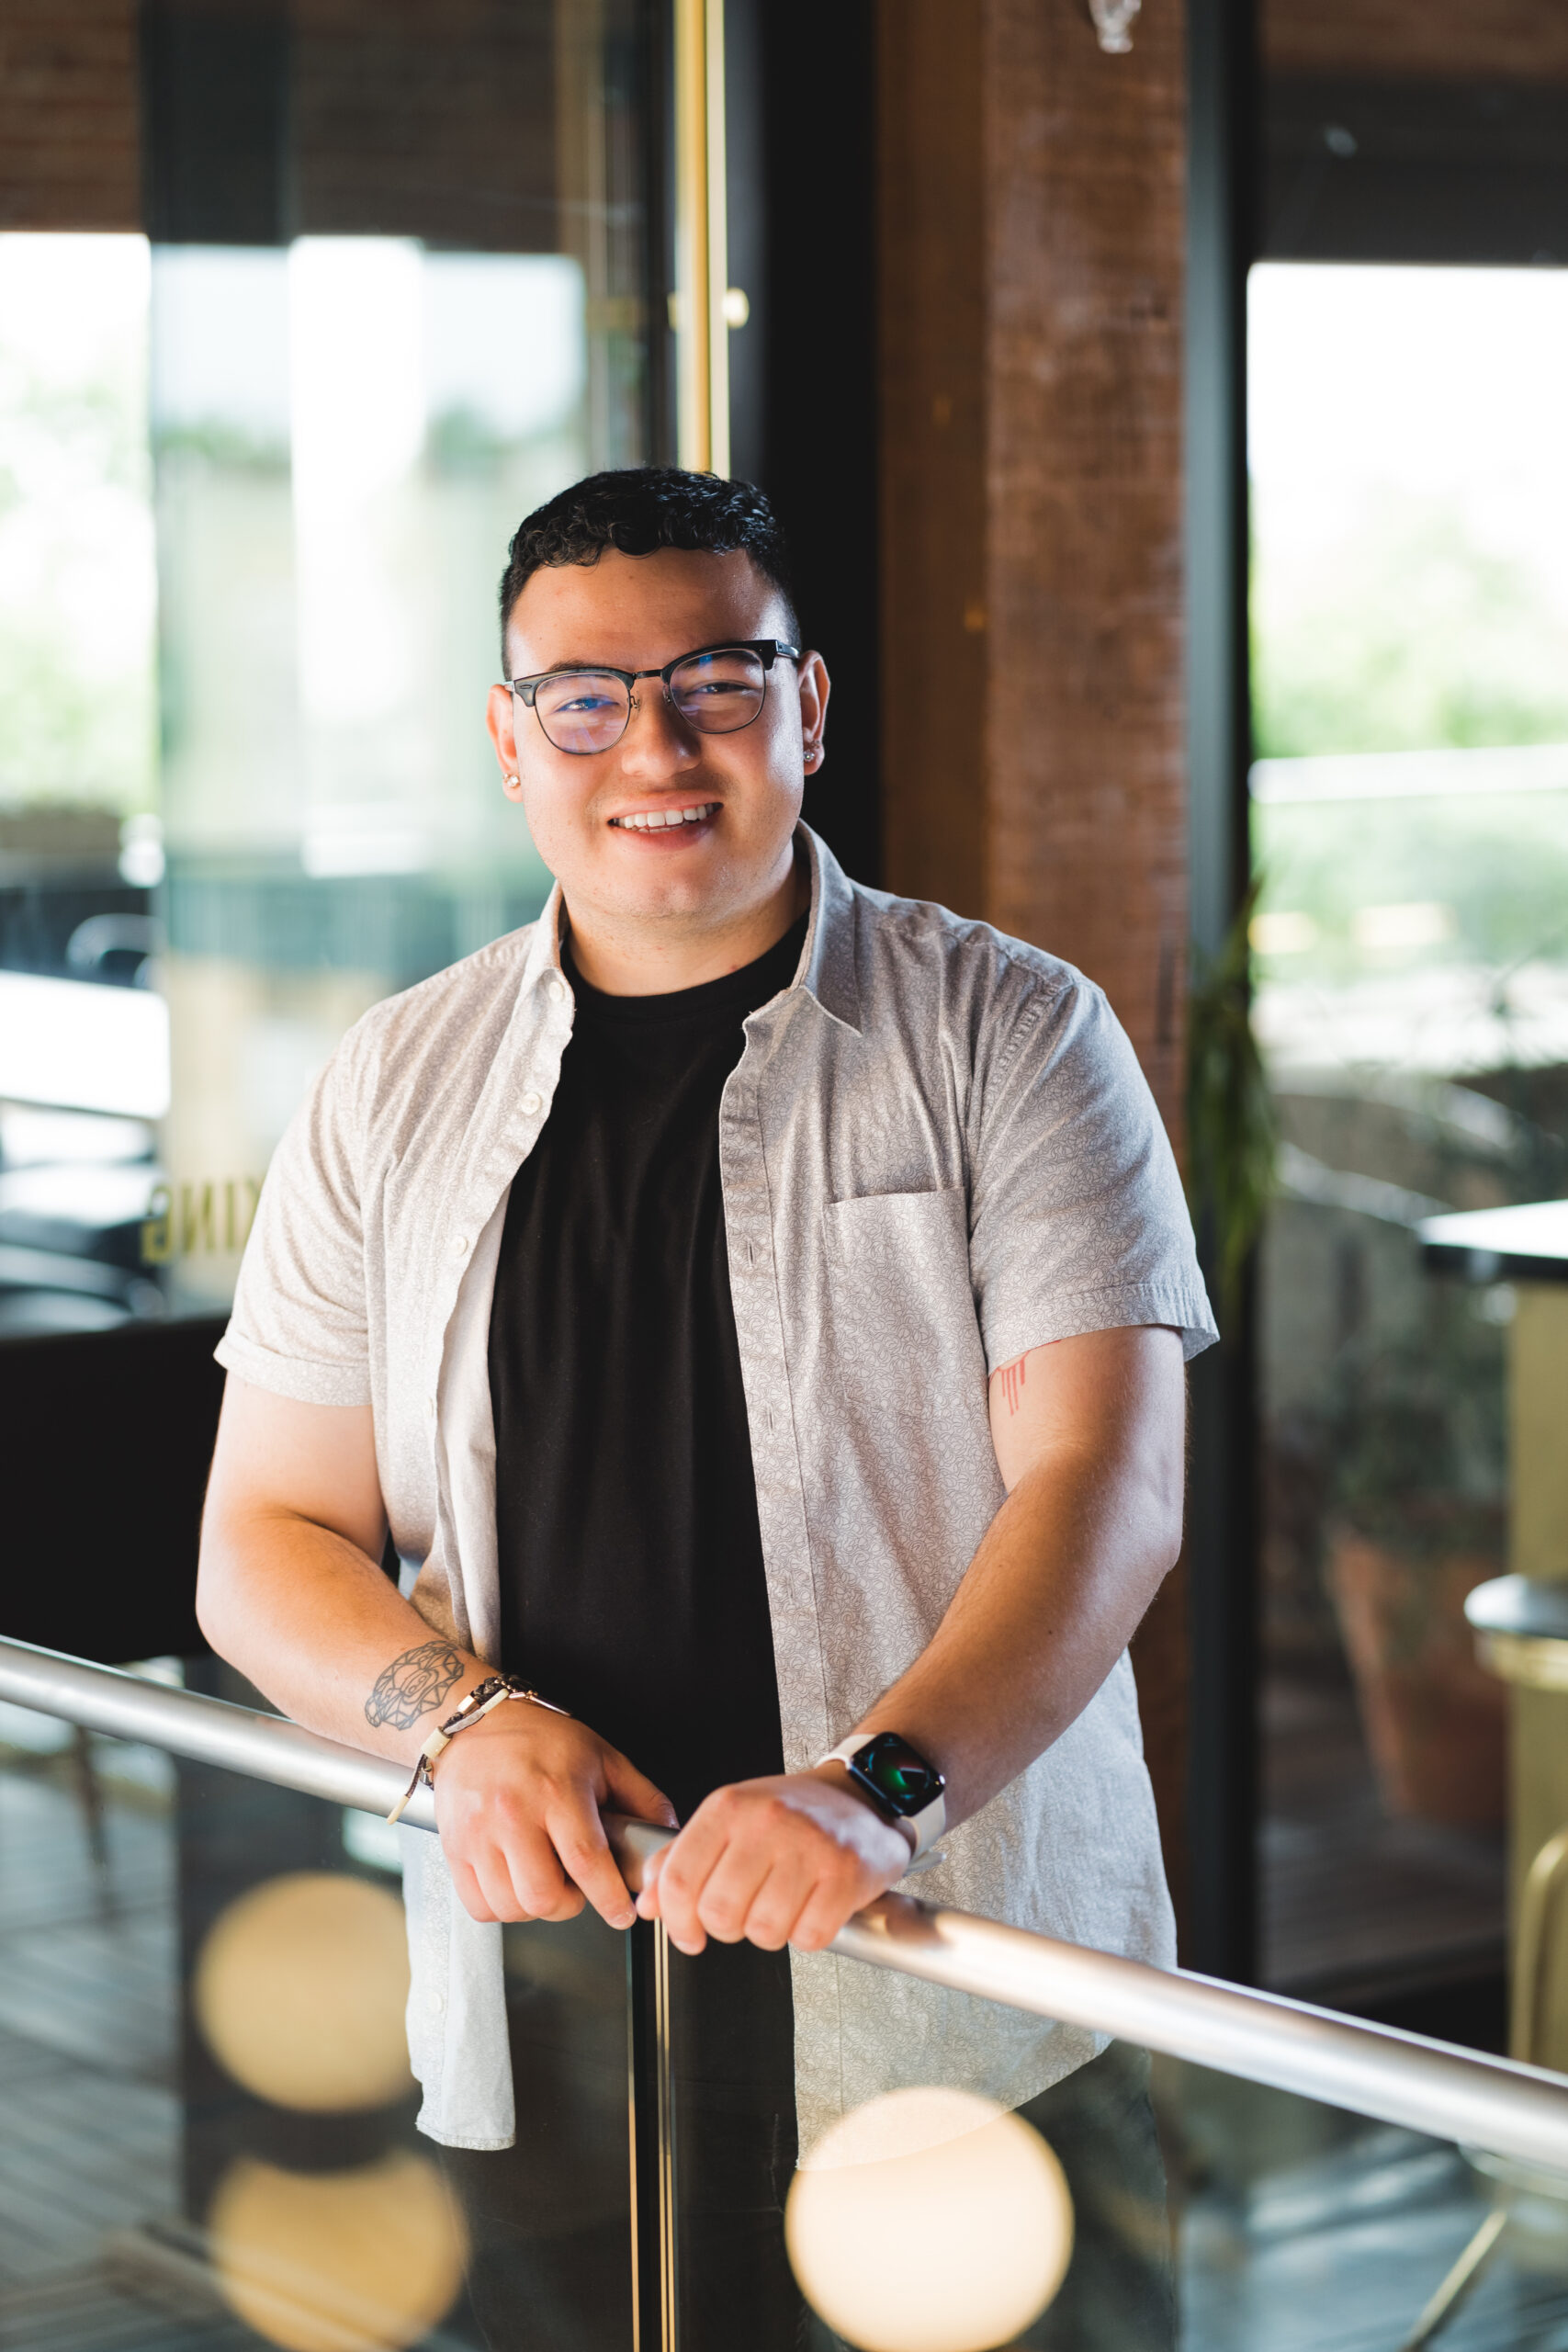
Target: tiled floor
point(91, 2143)
point(1301, 2231)
point(87, 2022)
point(1341, 2251)
point(93, 2255)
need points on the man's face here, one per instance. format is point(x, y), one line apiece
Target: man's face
point(638, 612)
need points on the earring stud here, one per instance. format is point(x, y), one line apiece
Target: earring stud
point(512, 779)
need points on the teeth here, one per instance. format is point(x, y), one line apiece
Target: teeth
point(656, 820)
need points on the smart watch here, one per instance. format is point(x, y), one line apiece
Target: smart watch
point(901, 1782)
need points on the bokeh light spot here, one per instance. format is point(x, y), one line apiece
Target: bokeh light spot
point(301, 1989)
point(929, 2221)
point(361, 2261)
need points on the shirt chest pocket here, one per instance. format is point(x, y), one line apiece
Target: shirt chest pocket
point(901, 1298)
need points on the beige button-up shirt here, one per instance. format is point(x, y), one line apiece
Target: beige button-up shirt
point(937, 1151)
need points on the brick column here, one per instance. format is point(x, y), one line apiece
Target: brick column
point(1031, 302)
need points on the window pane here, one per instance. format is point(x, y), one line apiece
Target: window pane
point(262, 473)
point(1411, 957)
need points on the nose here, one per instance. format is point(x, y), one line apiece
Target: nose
point(657, 742)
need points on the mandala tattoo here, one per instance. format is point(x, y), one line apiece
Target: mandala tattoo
point(412, 1685)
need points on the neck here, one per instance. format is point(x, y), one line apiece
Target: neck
point(625, 956)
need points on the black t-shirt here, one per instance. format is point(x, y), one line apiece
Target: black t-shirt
point(632, 1589)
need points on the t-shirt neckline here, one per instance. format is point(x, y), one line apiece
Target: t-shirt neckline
point(731, 994)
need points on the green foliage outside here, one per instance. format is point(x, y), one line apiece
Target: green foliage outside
point(1405, 637)
point(1499, 862)
point(1411, 636)
point(1230, 1119)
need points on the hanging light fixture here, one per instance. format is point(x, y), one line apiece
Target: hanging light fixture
point(1113, 24)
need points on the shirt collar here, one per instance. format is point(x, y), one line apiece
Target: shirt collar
point(828, 960)
point(543, 958)
point(826, 969)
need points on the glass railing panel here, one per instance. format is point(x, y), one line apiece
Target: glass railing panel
point(548, 2222)
point(212, 2140)
point(1137, 2204)
point(211, 2137)
point(1300, 2227)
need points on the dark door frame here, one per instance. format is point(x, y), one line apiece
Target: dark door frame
point(1221, 1937)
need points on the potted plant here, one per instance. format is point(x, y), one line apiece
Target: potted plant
point(1404, 1545)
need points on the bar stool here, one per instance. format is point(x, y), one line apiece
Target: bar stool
point(1521, 1635)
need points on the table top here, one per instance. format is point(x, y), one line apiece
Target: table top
point(1525, 1243)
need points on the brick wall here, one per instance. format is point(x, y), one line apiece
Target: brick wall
point(1086, 849)
point(1483, 40)
point(69, 154)
point(402, 119)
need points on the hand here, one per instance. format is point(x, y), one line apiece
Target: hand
point(518, 1799)
point(773, 1862)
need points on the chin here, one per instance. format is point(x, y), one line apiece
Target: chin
point(685, 883)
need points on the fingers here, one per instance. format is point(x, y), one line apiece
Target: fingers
point(503, 1864)
point(518, 1806)
point(632, 1792)
point(683, 1873)
point(723, 1903)
point(827, 1908)
point(469, 1893)
point(763, 1861)
point(770, 1923)
point(585, 1856)
point(528, 1855)
point(708, 1881)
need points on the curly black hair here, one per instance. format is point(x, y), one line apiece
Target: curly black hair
point(639, 509)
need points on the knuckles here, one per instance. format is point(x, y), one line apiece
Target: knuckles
point(722, 1917)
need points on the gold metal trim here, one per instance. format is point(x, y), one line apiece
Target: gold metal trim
point(1535, 1944)
point(668, 2312)
point(1535, 1660)
point(633, 2209)
point(702, 240)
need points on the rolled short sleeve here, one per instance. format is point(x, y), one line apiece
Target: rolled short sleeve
point(300, 1323)
point(1078, 1220)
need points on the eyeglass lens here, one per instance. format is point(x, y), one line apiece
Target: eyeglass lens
point(587, 710)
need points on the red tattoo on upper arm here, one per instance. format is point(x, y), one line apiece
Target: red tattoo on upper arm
point(1011, 1376)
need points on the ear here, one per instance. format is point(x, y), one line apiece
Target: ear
point(815, 688)
point(500, 719)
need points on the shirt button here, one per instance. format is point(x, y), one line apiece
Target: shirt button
point(437, 2002)
point(557, 991)
point(430, 1405)
point(531, 1104)
point(459, 1245)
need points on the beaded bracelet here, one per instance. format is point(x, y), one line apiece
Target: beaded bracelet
point(481, 1700)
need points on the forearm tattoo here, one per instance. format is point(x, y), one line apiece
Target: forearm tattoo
point(412, 1685)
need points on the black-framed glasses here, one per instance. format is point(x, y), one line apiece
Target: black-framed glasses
point(717, 690)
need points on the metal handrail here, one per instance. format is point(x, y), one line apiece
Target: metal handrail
point(1400, 2079)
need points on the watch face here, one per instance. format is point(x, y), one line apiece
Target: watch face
point(899, 1773)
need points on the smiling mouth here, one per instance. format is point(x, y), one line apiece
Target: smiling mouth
point(663, 820)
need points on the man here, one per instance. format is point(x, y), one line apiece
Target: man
point(758, 1306)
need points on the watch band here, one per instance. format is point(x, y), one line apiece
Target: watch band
point(481, 1700)
point(927, 1826)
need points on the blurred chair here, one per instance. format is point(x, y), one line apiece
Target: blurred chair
point(1521, 1633)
